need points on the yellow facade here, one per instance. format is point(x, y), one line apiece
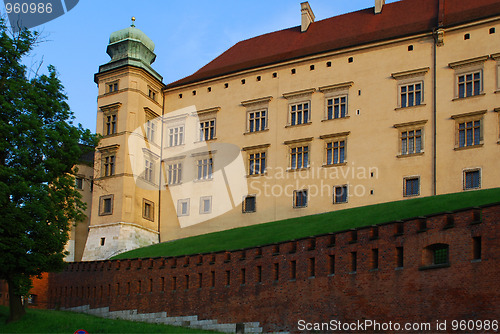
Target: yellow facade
point(380, 145)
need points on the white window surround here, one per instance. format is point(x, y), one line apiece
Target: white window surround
point(183, 204)
point(256, 106)
point(465, 67)
point(205, 204)
point(299, 143)
point(409, 78)
point(496, 57)
point(299, 98)
point(336, 91)
point(205, 115)
point(410, 126)
point(331, 138)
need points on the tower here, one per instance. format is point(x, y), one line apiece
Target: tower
point(125, 199)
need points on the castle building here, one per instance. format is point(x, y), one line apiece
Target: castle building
point(392, 102)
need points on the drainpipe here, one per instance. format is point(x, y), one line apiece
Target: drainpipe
point(438, 34)
point(161, 166)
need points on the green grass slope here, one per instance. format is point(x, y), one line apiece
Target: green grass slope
point(48, 321)
point(295, 228)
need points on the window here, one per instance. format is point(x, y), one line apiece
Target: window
point(299, 113)
point(440, 254)
point(299, 157)
point(150, 130)
point(248, 204)
point(300, 198)
point(354, 262)
point(411, 142)
point(257, 121)
point(335, 152)
point(109, 165)
point(79, 183)
point(411, 186)
point(207, 130)
point(374, 261)
point(340, 194)
point(410, 95)
point(469, 133)
point(183, 207)
point(469, 84)
point(148, 170)
point(112, 87)
point(399, 257)
point(336, 107)
point(174, 173)
point(110, 126)
point(205, 169)
point(256, 163)
point(147, 209)
point(206, 204)
point(472, 179)
point(152, 94)
point(176, 136)
point(476, 248)
point(106, 205)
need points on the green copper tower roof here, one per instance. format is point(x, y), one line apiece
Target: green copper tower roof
point(130, 46)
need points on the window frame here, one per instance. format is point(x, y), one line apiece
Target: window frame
point(181, 135)
point(472, 117)
point(112, 86)
point(406, 128)
point(265, 118)
point(244, 208)
point(464, 68)
point(202, 202)
point(403, 84)
point(179, 207)
point(177, 171)
point(410, 78)
point(299, 98)
point(202, 130)
point(302, 112)
point(210, 168)
point(334, 194)
point(332, 92)
point(291, 166)
point(405, 185)
point(108, 166)
point(102, 206)
point(79, 179)
point(472, 170)
point(295, 199)
point(145, 204)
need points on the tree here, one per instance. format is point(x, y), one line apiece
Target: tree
point(39, 147)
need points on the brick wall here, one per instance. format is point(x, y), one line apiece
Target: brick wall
point(347, 276)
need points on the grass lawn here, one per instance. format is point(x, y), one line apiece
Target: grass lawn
point(47, 321)
point(295, 228)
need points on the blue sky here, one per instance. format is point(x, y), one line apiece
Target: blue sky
point(188, 34)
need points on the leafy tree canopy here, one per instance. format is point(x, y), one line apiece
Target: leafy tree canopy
point(39, 148)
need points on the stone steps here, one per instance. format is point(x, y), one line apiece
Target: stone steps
point(162, 318)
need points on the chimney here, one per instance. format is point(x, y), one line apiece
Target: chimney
point(307, 16)
point(378, 6)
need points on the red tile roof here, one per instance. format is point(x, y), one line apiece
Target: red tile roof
point(398, 19)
